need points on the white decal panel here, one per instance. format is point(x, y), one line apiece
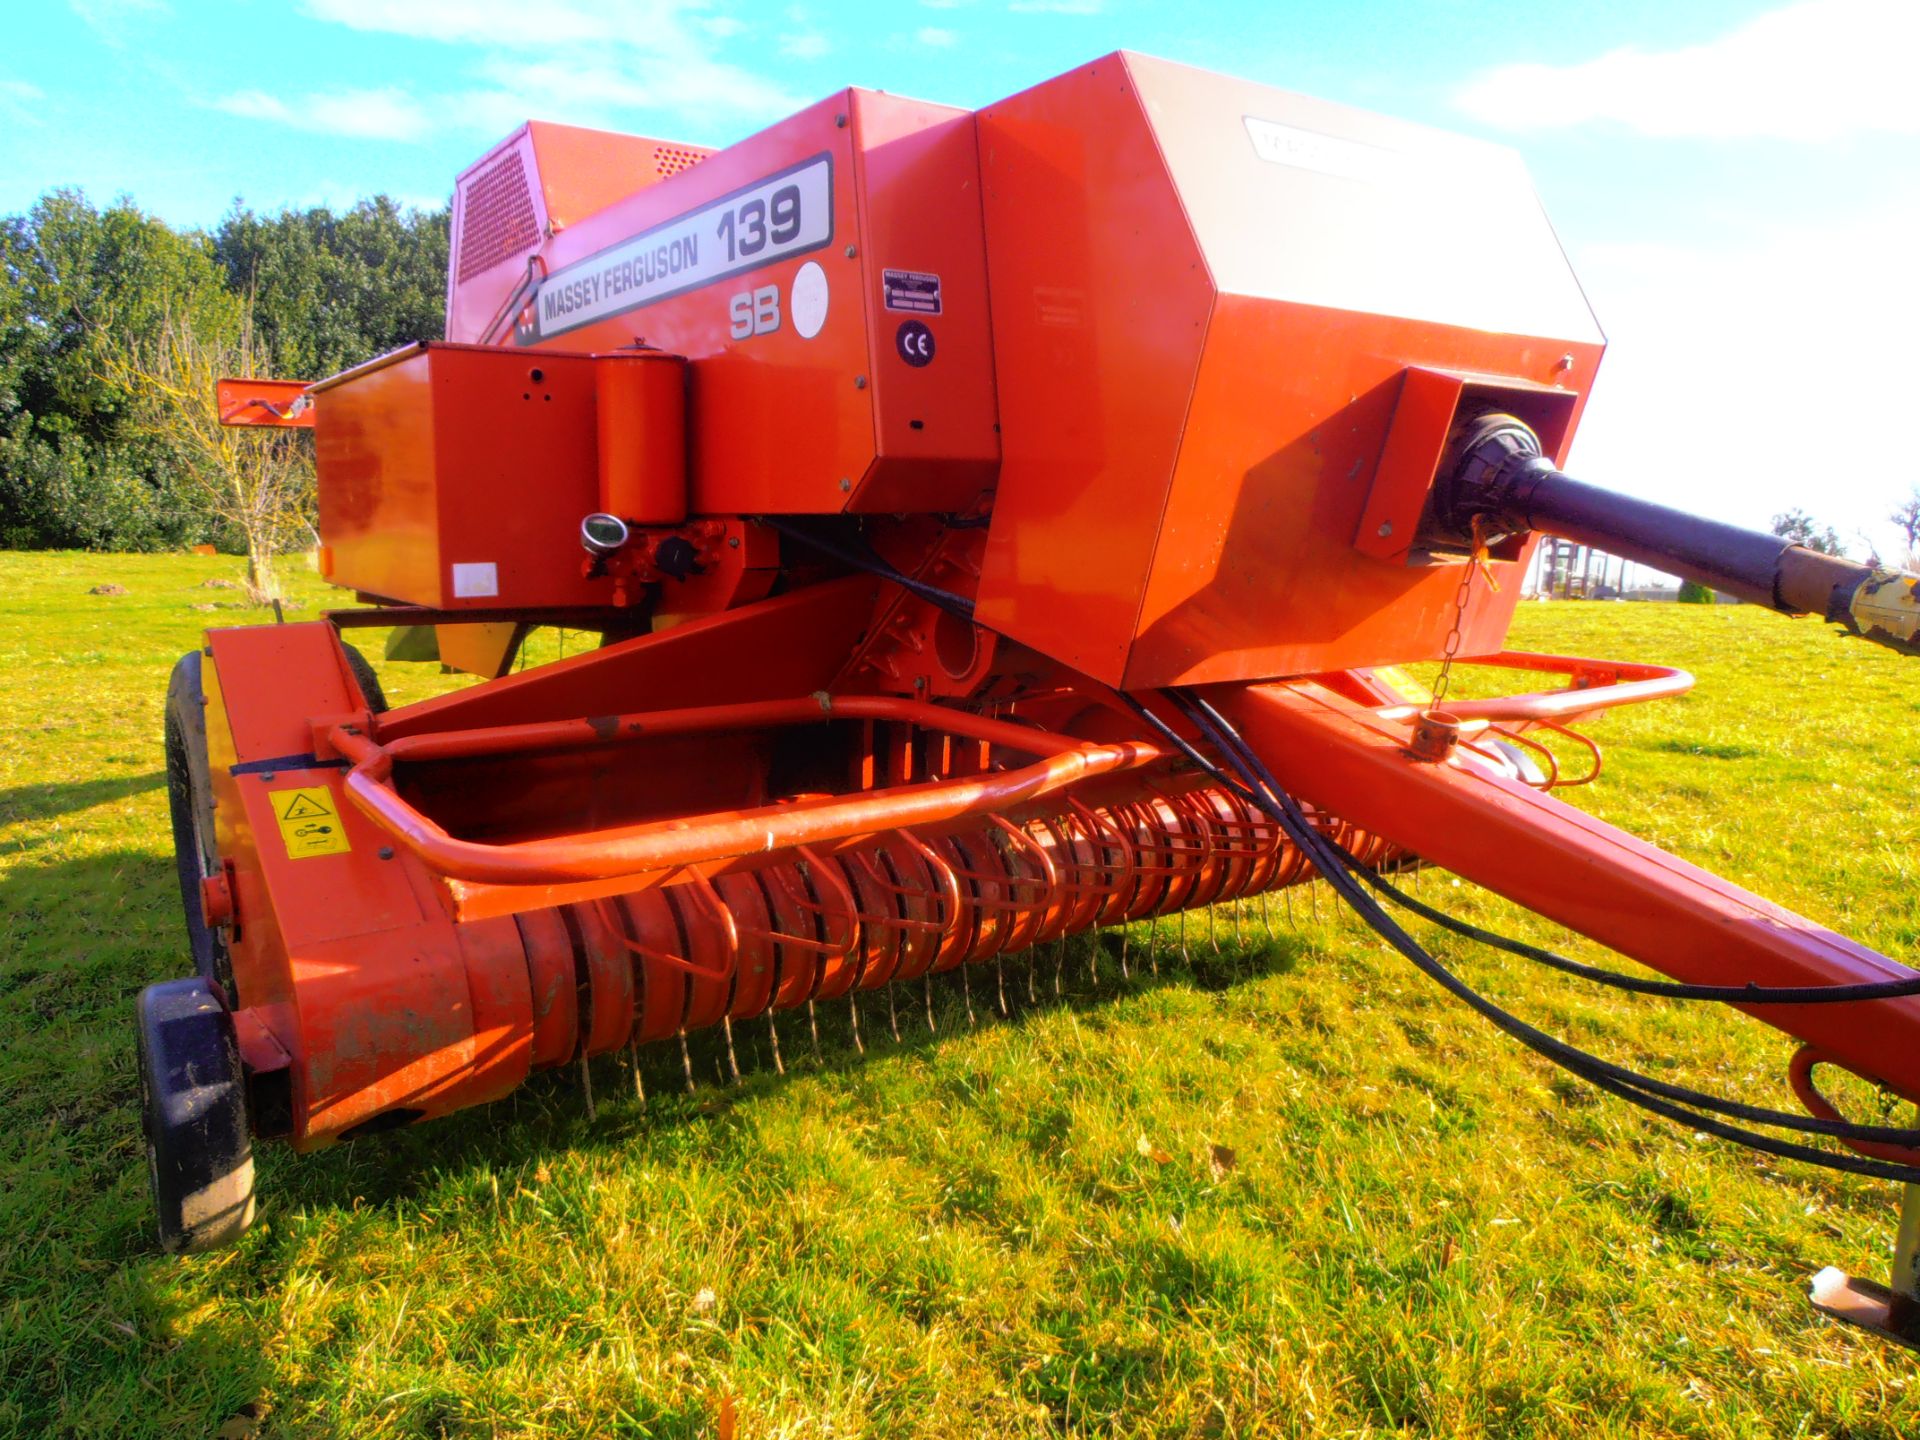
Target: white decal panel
point(785, 214)
point(810, 299)
point(1279, 144)
point(476, 580)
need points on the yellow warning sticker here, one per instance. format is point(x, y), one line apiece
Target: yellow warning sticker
point(309, 822)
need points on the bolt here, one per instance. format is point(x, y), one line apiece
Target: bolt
point(1386, 529)
point(733, 542)
point(1565, 362)
point(859, 382)
point(845, 483)
point(386, 852)
point(852, 250)
point(267, 776)
point(919, 682)
point(840, 121)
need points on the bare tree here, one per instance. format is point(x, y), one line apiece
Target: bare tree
point(1803, 529)
point(258, 482)
point(1907, 518)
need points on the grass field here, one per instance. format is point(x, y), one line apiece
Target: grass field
point(1024, 1228)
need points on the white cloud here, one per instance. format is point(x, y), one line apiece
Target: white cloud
point(1747, 378)
point(357, 114)
point(113, 20)
point(589, 62)
point(19, 102)
point(594, 89)
point(107, 16)
point(505, 24)
point(340, 196)
point(1810, 71)
point(936, 38)
point(806, 46)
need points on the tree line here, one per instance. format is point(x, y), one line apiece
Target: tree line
point(114, 325)
point(111, 320)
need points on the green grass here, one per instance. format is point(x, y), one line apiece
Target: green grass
point(1425, 1230)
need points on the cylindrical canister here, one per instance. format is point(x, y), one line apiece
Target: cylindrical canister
point(641, 398)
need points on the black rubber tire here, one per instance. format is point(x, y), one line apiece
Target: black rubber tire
point(366, 678)
point(190, 802)
point(194, 1114)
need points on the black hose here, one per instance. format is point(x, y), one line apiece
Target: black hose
point(863, 558)
point(1671, 1101)
point(1748, 994)
point(1674, 1102)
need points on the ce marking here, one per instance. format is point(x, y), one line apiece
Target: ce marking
point(914, 341)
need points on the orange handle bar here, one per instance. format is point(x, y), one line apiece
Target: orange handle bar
point(672, 844)
point(1800, 1074)
point(1625, 684)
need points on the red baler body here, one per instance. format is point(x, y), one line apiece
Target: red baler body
point(1150, 369)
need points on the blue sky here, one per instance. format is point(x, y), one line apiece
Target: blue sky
point(1738, 184)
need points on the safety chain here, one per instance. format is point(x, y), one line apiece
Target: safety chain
point(1452, 649)
point(1476, 561)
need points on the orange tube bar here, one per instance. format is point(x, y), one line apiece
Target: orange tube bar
point(672, 844)
point(1639, 683)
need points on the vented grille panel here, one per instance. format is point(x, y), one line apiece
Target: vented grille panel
point(496, 216)
point(672, 159)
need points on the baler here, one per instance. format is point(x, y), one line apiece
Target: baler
point(1000, 527)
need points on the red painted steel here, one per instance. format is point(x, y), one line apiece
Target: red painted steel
point(536, 183)
point(1150, 369)
point(422, 452)
point(817, 927)
point(788, 417)
point(1593, 685)
point(1579, 871)
point(273, 404)
point(640, 411)
point(480, 1002)
point(1206, 297)
point(670, 845)
point(789, 645)
point(1424, 414)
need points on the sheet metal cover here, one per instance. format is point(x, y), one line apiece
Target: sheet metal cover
point(1302, 200)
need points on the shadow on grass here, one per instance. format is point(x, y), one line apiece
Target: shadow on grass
point(548, 1116)
point(105, 1313)
point(43, 802)
point(237, 1383)
point(82, 934)
point(70, 989)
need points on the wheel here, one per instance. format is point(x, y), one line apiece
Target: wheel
point(194, 1114)
point(190, 801)
point(365, 677)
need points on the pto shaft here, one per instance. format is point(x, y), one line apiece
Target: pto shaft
point(1501, 479)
